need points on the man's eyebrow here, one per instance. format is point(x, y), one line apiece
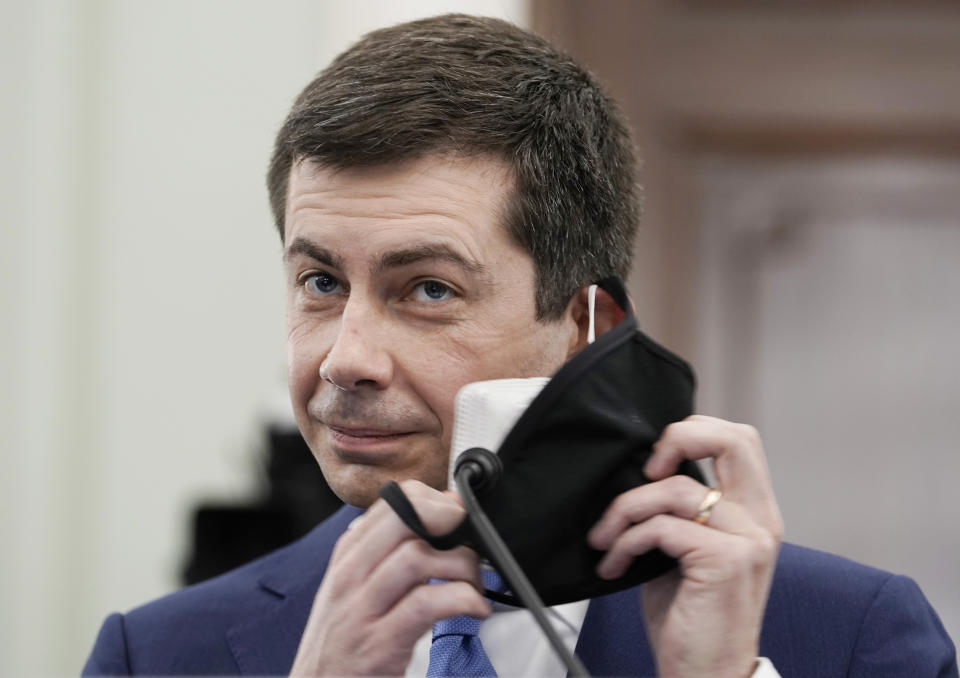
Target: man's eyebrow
point(314, 251)
point(426, 252)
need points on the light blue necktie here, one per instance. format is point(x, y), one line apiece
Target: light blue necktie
point(456, 649)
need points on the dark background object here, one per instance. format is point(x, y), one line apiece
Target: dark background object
point(296, 499)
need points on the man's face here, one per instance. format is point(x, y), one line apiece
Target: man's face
point(402, 286)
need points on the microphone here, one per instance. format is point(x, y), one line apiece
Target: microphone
point(484, 413)
point(484, 469)
point(475, 471)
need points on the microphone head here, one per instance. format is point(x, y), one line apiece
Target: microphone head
point(485, 411)
point(485, 469)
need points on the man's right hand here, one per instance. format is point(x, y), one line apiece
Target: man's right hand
point(375, 600)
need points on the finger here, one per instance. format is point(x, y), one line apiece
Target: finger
point(737, 453)
point(439, 511)
point(700, 437)
point(412, 564)
point(453, 495)
point(361, 549)
point(716, 553)
point(416, 612)
point(681, 496)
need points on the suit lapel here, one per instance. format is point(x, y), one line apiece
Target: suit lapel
point(266, 645)
point(613, 639)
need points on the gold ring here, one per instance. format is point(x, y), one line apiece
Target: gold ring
point(706, 506)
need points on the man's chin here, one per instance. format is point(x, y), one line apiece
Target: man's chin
point(359, 497)
point(360, 485)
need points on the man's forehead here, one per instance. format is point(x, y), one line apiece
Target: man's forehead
point(462, 175)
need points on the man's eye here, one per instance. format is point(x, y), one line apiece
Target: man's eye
point(431, 290)
point(321, 283)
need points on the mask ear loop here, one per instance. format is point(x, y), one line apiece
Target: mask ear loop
point(591, 306)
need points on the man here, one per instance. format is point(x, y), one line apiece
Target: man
point(445, 191)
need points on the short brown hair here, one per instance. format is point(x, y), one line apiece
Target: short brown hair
point(473, 86)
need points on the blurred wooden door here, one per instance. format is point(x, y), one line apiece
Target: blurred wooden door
point(828, 315)
point(801, 245)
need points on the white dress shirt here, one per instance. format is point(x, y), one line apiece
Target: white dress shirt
point(516, 646)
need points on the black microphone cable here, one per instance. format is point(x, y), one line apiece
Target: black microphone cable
point(479, 468)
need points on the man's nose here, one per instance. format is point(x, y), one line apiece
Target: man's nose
point(359, 357)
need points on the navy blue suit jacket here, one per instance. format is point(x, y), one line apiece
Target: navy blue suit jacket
point(826, 616)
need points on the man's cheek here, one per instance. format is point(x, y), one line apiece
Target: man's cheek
point(472, 345)
point(500, 354)
point(303, 330)
point(303, 371)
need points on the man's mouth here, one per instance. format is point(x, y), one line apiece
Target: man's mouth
point(365, 441)
point(365, 432)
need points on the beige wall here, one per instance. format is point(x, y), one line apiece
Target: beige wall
point(140, 297)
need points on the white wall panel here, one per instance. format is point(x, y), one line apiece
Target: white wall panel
point(141, 295)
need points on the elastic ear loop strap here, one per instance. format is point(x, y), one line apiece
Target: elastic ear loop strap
point(397, 500)
point(591, 307)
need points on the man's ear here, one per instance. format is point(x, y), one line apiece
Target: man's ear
point(606, 315)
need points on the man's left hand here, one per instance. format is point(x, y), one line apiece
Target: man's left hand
point(704, 618)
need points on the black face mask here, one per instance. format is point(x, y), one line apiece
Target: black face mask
point(582, 441)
